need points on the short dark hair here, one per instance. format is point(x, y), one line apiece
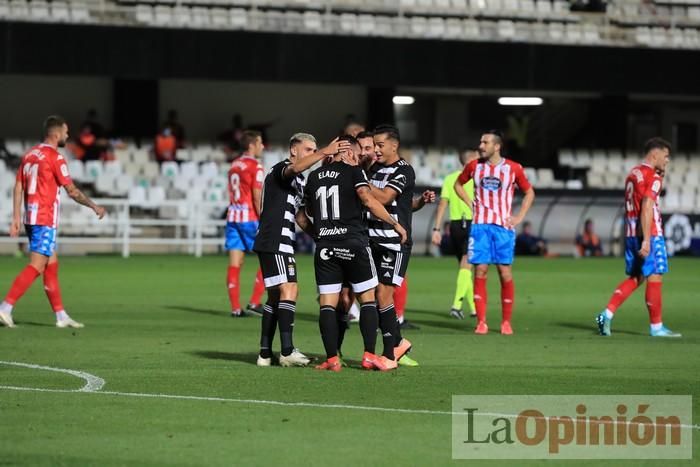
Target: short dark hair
point(497, 134)
point(248, 137)
point(390, 130)
point(463, 154)
point(350, 139)
point(656, 143)
point(51, 122)
point(365, 134)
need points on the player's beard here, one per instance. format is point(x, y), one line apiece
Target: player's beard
point(62, 143)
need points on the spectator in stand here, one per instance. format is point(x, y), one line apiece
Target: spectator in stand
point(176, 128)
point(527, 244)
point(92, 142)
point(231, 138)
point(588, 243)
point(165, 146)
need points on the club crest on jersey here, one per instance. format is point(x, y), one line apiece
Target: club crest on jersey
point(490, 183)
point(291, 269)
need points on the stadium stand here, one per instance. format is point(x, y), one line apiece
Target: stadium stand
point(658, 24)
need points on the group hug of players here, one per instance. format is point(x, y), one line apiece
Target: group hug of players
point(358, 208)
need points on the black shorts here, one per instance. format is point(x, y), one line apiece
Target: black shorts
point(277, 268)
point(337, 264)
point(459, 236)
point(392, 264)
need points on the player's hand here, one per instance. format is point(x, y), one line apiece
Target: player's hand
point(645, 249)
point(100, 211)
point(428, 196)
point(14, 227)
point(402, 232)
point(437, 238)
point(335, 147)
point(349, 158)
point(512, 221)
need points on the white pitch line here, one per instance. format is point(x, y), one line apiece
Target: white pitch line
point(92, 382)
point(84, 375)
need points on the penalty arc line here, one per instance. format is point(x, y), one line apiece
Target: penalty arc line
point(92, 383)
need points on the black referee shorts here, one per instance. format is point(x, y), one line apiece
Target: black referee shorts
point(459, 235)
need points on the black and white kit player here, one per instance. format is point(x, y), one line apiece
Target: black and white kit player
point(393, 182)
point(274, 243)
point(336, 196)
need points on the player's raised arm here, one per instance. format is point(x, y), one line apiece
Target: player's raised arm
point(16, 208)
point(377, 209)
point(81, 198)
point(428, 196)
point(302, 164)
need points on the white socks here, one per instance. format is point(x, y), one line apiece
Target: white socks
point(609, 314)
point(657, 326)
point(6, 307)
point(61, 315)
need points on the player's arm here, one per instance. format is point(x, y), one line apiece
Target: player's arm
point(428, 196)
point(302, 164)
point(377, 209)
point(442, 205)
point(384, 195)
point(528, 199)
point(304, 222)
point(16, 208)
point(463, 178)
point(81, 198)
point(257, 200)
point(645, 217)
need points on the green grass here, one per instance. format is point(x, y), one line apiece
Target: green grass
point(160, 325)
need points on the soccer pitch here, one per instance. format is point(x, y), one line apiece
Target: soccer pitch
point(158, 326)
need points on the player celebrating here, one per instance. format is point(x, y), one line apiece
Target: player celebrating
point(245, 178)
point(41, 174)
point(492, 239)
point(393, 180)
point(274, 244)
point(460, 225)
point(334, 197)
point(645, 247)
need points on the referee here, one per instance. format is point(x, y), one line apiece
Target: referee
point(460, 224)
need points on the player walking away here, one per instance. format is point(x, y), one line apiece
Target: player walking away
point(492, 237)
point(245, 178)
point(392, 183)
point(41, 174)
point(460, 225)
point(645, 247)
point(334, 198)
point(274, 244)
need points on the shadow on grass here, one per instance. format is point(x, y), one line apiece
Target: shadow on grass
point(226, 314)
point(33, 323)
point(252, 357)
point(593, 330)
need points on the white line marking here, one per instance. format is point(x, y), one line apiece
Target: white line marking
point(241, 401)
point(92, 382)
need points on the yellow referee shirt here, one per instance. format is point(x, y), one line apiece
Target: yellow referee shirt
point(458, 208)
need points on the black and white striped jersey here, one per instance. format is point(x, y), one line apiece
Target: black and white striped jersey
point(281, 197)
point(398, 176)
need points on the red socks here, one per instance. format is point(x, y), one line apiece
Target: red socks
point(52, 288)
point(233, 287)
point(507, 297)
point(623, 290)
point(480, 298)
point(653, 299)
point(400, 298)
point(258, 289)
point(22, 282)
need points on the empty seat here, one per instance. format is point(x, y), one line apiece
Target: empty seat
point(163, 15)
point(76, 169)
point(122, 184)
point(79, 12)
point(144, 14)
point(93, 169)
point(348, 23)
point(155, 196)
point(238, 18)
point(506, 29)
point(200, 17)
point(39, 10)
point(137, 195)
point(419, 26)
point(112, 167)
point(220, 17)
point(313, 21)
point(545, 177)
